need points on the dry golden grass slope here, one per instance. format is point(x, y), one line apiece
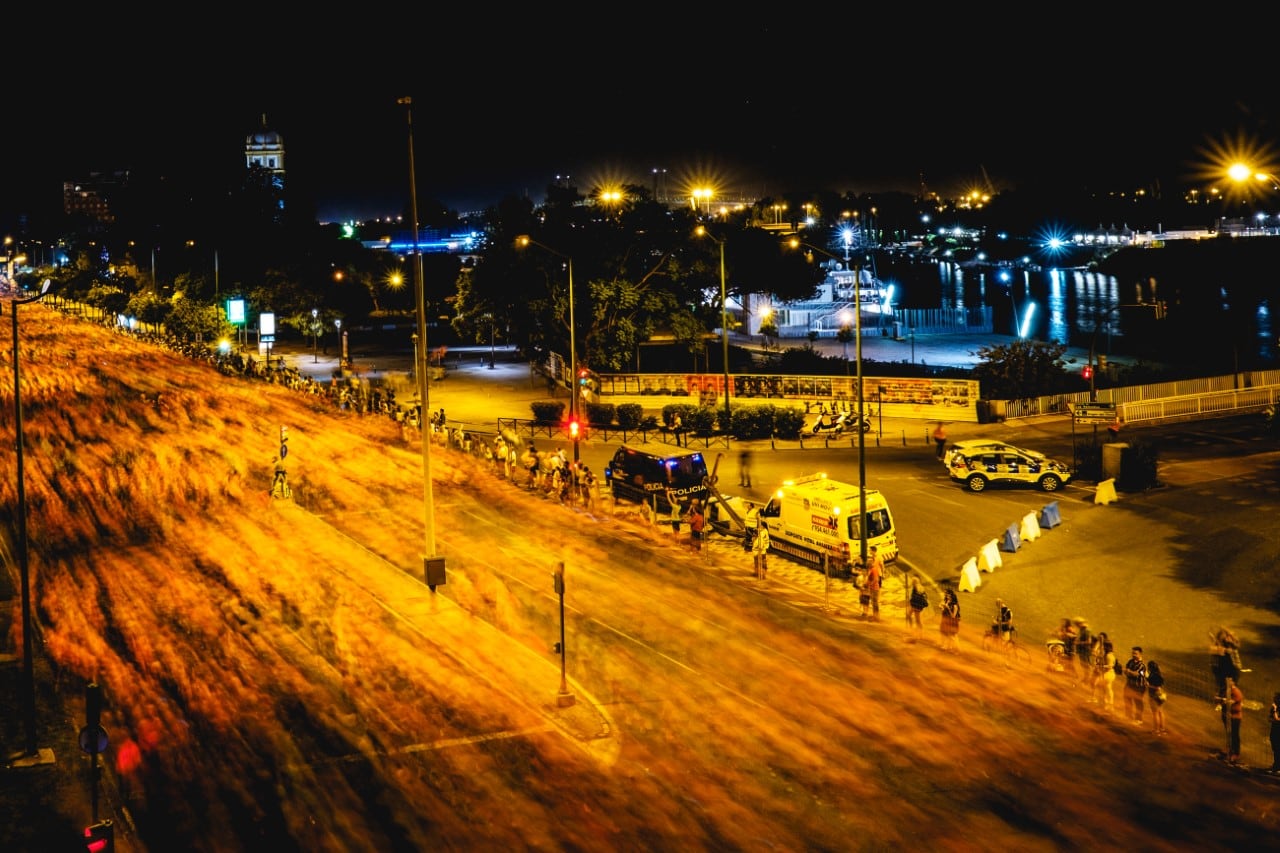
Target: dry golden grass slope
point(272, 704)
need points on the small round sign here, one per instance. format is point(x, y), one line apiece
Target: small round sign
point(88, 741)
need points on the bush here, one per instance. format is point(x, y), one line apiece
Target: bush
point(547, 411)
point(701, 420)
point(788, 421)
point(600, 414)
point(754, 421)
point(630, 416)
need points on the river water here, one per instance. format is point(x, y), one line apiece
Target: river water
point(1217, 313)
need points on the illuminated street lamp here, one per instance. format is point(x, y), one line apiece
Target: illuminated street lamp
point(724, 325)
point(315, 336)
point(432, 565)
point(525, 240)
point(31, 754)
point(862, 436)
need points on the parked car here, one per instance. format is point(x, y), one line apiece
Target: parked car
point(983, 465)
point(972, 446)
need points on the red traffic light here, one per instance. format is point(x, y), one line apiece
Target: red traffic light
point(1087, 371)
point(573, 428)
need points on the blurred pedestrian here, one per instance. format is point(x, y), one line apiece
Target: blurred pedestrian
point(1158, 696)
point(1135, 686)
point(940, 439)
point(760, 551)
point(1084, 649)
point(744, 469)
point(916, 604)
point(949, 621)
point(1232, 700)
point(871, 580)
point(697, 524)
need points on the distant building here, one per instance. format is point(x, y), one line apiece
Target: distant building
point(91, 197)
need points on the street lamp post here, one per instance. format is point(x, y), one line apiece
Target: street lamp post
point(432, 565)
point(32, 754)
point(315, 336)
point(526, 240)
point(862, 436)
point(724, 326)
point(492, 359)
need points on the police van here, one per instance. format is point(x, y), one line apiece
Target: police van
point(644, 476)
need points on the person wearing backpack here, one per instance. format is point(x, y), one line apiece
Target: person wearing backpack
point(1135, 686)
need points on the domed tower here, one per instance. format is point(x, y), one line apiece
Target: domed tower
point(265, 149)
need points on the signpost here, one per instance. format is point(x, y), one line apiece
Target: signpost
point(1093, 413)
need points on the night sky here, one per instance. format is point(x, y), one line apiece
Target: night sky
point(757, 107)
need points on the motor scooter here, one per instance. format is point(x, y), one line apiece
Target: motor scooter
point(829, 423)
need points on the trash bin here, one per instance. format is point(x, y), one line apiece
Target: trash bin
point(897, 331)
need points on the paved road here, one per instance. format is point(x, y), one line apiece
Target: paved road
point(1158, 569)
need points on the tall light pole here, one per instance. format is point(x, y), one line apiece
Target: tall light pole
point(315, 336)
point(862, 436)
point(31, 752)
point(432, 565)
point(525, 240)
point(724, 325)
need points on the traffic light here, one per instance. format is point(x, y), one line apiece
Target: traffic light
point(573, 428)
point(1087, 371)
point(100, 837)
point(284, 441)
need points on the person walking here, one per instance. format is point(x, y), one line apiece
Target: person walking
point(1233, 701)
point(1155, 690)
point(1274, 716)
point(697, 524)
point(871, 583)
point(1084, 650)
point(744, 469)
point(940, 439)
point(676, 513)
point(1135, 686)
point(916, 604)
point(760, 551)
point(949, 621)
point(677, 427)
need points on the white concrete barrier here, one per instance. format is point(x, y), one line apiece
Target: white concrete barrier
point(969, 580)
point(1030, 527)
point(989, 558)
point(1106, 492)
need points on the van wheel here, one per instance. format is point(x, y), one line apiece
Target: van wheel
point(1050, 483)
point(976, 483)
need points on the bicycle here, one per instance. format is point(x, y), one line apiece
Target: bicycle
point(1056, 650)
point(1013, 651)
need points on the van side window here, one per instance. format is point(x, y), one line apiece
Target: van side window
point(772, 509)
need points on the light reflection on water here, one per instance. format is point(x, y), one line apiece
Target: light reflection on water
point(1076, 307)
